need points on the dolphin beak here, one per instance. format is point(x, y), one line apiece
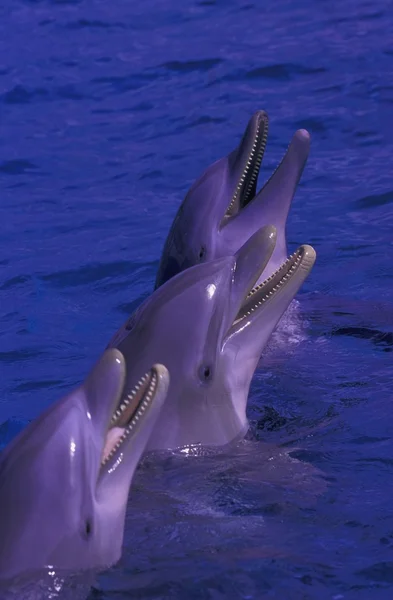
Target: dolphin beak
point(245, 161)
point(275, 198)
point(131, 424)
point(250, 262)
point(270, 299)
point(104, 386)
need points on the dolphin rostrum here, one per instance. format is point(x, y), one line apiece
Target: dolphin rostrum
point(222, 209)
point(65, 479)
point(209, 325)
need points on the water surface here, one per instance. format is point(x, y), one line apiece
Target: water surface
point(108, 112)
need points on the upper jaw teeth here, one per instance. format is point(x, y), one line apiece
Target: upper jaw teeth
point(253, 161)
point(126, 401)
point(295, 258)
point(143, 405)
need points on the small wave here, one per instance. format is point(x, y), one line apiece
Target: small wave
point(21, 95)
point(69, 92)
point(21, 355)
point(283, 71)
point(155, 174)
point(94, 24)
point(192, 65)
point(381, 339)
point(203, 120)
point(375, 200)
point(381, 572)
point(119, 84)
point(91, 273)
point(17, 167)
point(277, 72)
point(30, 386)
point(71, 2)
point(15, 281)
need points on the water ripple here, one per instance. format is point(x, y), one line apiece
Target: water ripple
point(192, 65)
point(375, 200)
point(109, 112)
point(17, 167)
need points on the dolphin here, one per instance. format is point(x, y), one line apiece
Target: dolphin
point(222, 209)
point(209, 325)
point(65, 479)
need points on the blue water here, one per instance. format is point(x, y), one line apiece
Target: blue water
point(108, 112)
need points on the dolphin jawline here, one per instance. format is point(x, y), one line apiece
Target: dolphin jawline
point(128, 415)
point(245, 188)
point(264, 293)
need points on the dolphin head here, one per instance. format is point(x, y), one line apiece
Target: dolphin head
point(222, 209)
point(209, 325)
point(64, 481)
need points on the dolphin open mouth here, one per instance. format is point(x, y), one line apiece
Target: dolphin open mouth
point(301, 260)
point(254, 145)
point(129, 413)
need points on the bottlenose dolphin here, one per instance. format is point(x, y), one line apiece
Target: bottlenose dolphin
point(222, 210)
point(65, 479)
point(209, 326)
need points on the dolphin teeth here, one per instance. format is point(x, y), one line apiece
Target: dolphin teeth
point(295, 259)
point(286, 276)
point(144, 403)
point(254, 162)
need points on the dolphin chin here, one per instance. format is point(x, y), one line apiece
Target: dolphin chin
point(222, 210)
point(209, 324)
point(65, 479)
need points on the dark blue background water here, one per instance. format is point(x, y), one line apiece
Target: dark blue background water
point(108, 112)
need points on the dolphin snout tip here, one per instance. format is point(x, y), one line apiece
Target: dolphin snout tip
point(309, 256)
point(113, 354)
point(161, 371)
point(303, 136)
point(261, 114)
point(163, 377)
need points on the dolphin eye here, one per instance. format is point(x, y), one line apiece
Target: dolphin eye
point(205, 373)
point(88, 528)
point(202, 252)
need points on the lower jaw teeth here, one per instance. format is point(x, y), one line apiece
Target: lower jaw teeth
point(112, 438)
point(246, 313)
point(128, 414)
